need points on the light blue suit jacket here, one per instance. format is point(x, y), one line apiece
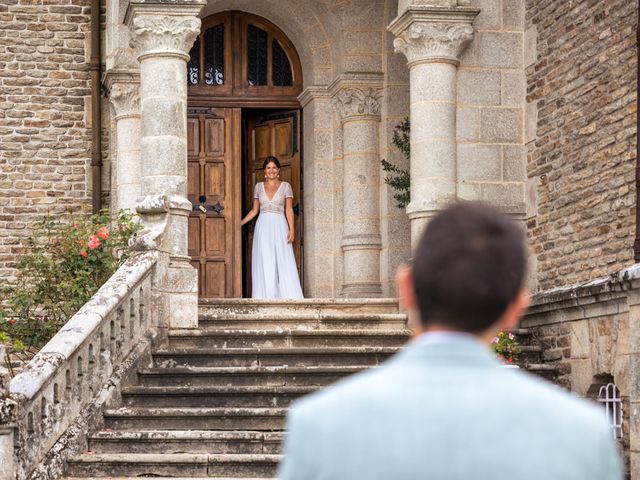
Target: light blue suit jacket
point(447, 410)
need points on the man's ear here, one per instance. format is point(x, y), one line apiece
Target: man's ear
point(406, 292)
point(511, 316)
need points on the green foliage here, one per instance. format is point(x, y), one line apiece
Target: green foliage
point(506, 347)
point(66, 262)
point(399, 179)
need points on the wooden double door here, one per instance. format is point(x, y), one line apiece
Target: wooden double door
point(226, 150)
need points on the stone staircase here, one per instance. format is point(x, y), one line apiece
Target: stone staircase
point(531, 357)
point(214, 402)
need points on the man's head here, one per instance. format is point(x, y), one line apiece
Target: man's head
point(468, 270)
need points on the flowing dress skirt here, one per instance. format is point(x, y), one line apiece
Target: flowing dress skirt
point(273, 264)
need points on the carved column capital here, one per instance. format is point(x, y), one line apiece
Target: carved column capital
point(428, 34)
point(352, 102)
point(125, 99)
point(164, 35)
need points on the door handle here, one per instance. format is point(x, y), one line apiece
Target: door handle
point(296, 209)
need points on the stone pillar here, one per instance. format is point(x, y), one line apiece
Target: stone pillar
point(357, 101)
point(163, 34)
point(7, 470)
point(433, 40)
point(123, 93)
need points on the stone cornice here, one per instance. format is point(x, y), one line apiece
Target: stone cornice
point(163, 28)
point(313, 92)
point(125, 99)
point(433, 34)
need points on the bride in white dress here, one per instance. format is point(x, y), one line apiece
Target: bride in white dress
point(273, 264)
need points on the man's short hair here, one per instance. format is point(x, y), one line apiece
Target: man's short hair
point(469, 265)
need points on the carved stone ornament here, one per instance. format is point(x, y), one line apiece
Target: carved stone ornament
point(125, 99)
point(423, 41)
point(126, 59)
point(354, 102)
point(162, 34)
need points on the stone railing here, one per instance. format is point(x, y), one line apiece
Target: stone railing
point(76, 374)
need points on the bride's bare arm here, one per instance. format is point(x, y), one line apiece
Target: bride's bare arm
point(288, 208)
point(252, 213)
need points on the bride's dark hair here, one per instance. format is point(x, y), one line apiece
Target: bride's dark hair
point(268, 160)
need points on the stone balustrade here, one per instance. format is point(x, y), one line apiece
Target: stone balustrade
point(77, 373)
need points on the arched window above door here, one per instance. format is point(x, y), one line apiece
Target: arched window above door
point(239, 54)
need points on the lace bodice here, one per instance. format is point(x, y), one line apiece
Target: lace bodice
point(276, 204)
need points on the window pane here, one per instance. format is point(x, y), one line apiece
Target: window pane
point(257, 51)
point(193, 67)
point(281, 67)
point(214, 55)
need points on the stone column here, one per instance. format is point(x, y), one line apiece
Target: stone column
point(433, 40)
point(163, 34)
point(123, 93)
point(357, 101)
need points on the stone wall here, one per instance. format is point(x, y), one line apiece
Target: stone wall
point(590, 333)
point(581, 131)
point(44, 97)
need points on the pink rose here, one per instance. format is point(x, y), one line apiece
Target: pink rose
point(83, 254)
point(94, 242)
point(103, 233)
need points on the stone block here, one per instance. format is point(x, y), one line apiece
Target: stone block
point(479, 162)
point(579, 339)
point(581, 375)
point(478, 87)
point(469, 191)
point(500, 50)
point(501, 125)
point(323, 146)
point(530, 46)
point(513, 14)
point(514, 160)
point(396, 100)
point(514, 89)
point(489, 16)
point(362, 63)
point(468, 124)
point(620, 373)
point(504, 194)
point(362, 42)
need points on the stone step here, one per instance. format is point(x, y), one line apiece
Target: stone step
point(185, 418)
point(182, 441)
point(222, 308)
point(235, 376)
point(293, 357)
point(543, 370)
point(214, 397)
point(309, 320)
point(285, 338)
point(177, 464)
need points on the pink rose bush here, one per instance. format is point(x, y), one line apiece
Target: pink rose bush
point(67, 261)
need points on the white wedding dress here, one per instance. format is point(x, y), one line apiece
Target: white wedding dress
point(273, 264)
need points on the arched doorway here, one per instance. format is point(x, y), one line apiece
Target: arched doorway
point(244, 78)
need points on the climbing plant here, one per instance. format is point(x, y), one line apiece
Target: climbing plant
point(398, 178)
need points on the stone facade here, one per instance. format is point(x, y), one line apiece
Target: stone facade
point(44, 131)
point(581, 65)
